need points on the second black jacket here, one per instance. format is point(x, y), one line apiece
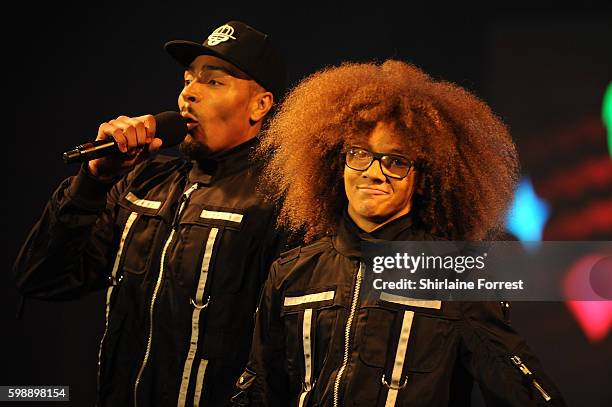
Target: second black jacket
point(320, 341)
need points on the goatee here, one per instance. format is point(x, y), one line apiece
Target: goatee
point(194, 150)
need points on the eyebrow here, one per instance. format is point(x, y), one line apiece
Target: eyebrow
point(394, 151)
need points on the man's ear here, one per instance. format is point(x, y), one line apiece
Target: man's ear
point(261, 103)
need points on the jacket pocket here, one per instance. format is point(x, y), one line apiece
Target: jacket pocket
point(216, 240)
point(398, 322)
point(139, 224)
point(310, 319)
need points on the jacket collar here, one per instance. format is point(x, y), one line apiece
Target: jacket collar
point(223, 164)
point(349, 237)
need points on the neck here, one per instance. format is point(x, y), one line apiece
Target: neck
point(253, 130)
point(371, 224)
point(247, 135)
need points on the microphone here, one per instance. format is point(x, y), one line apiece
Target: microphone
point(170, 126)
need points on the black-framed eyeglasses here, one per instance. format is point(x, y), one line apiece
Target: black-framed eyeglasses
point(391, 165)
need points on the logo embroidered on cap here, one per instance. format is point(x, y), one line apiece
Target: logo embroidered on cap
point(221, 34)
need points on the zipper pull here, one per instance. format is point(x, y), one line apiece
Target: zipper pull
point(198, 305)
point(526, 372)
point(181, 204)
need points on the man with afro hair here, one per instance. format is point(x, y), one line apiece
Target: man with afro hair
point(382, 152)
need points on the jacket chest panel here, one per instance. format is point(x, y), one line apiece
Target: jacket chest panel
point(396, 344)
point(192, 237)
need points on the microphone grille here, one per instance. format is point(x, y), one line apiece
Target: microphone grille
point(171, 127)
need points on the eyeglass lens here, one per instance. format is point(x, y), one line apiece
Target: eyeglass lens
point(392, 165)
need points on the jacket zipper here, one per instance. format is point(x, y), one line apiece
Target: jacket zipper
point(347, 333)
point(523, 368)
point(182, 203)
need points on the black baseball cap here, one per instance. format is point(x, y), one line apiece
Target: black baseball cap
point(243, 46)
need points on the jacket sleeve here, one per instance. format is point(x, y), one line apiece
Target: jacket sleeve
point(506, 369)
point(67, 252)
point(265, 381)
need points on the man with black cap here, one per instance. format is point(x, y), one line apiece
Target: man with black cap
point(182, 246)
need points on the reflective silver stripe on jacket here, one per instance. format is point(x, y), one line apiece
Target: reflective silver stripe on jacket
point(142, 202)
point(126, 231)
point(305, 299)
point(199, 382)
point(228, 216)
point(113, 281)
point(195, 323)
point(400, 357)
point(414, 302)
point(308, 355)
point(208, 251)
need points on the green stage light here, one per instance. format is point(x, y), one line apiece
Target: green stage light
point(606, 114)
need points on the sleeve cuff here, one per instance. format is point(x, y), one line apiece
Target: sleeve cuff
point(87, 188)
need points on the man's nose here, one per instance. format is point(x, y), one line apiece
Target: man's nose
point(188, 94)
point(374, 171)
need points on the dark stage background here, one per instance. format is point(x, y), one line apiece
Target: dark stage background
point(544, 72)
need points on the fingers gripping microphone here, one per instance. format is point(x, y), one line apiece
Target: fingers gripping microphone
point(170, 126)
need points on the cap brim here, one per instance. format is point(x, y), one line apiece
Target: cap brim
point(186, 51)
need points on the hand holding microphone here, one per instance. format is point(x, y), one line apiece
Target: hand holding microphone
point(126, 141)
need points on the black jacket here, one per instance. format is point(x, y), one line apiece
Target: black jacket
point(184, 249)
point(319, 342)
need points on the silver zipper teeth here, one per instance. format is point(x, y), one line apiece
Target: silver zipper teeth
point(541, 390)
point(525, 370)
point(347, 334)
point(155, 291)
point(150, 339)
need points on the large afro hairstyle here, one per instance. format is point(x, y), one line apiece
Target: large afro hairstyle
point(465, 159)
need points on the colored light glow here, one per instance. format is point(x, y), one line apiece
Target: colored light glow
point(528, 213)
point(594, 317)
point(606, 114)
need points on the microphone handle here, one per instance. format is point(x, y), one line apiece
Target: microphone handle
point(91, 151)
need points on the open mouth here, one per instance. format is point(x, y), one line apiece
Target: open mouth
point(191, 123)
